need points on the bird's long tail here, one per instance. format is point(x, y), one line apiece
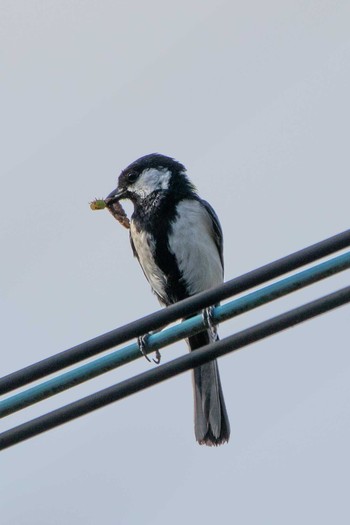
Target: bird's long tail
point(211, 424)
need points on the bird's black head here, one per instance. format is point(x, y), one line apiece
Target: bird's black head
point(149, 174)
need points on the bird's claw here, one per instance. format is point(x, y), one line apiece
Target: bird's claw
point(208, 319)
point(158, 357)
point(142, 341)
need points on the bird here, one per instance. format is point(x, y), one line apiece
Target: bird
point(177, 238)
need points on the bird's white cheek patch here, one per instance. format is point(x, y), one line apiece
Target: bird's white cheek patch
point(151, 180)
point(145, 248)
point(194, 247)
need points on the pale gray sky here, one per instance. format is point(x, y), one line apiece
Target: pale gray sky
point(253, 97)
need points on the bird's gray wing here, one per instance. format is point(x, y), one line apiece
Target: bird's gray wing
point(217, 230)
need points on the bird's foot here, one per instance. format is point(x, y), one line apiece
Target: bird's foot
point(158, 357)
point(208, 319)
point(142, 341)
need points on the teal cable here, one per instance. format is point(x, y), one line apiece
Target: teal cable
point(171, 335)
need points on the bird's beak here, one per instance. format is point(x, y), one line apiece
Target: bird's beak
point(115, 195)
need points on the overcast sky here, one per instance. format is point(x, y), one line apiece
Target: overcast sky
point(253, 97)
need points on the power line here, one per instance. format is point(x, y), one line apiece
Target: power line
point(168, 336)
point(179, 310)
point(152, 377)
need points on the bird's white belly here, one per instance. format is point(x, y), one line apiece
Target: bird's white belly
point(145, 248)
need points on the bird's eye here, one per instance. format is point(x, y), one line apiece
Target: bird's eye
point(132, 177)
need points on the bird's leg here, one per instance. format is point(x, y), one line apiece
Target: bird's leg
point(208, 319)
point(142, 342)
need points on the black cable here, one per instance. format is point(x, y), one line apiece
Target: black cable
point(177, 311)
point(168, 370)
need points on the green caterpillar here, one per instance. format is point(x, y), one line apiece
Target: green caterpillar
point(115, 209)
point(98, 204)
